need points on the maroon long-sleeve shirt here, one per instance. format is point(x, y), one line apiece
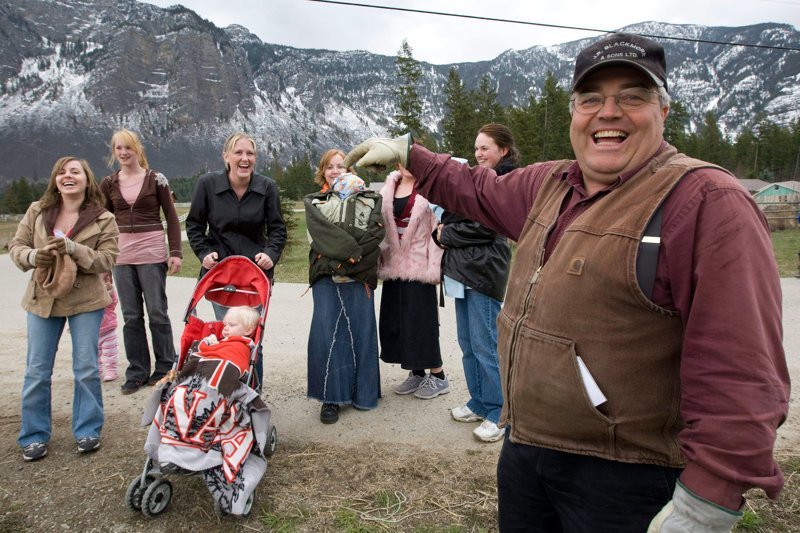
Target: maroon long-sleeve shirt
point(716, 268)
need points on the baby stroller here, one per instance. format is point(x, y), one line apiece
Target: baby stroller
point(194, 429)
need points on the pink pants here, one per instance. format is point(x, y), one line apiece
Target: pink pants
point(107, 353)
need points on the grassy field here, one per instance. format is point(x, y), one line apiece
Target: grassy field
point(786, 244)
point(293, 266)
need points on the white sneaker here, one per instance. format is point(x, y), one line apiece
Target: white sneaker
point(489, 432)
point(462, 413)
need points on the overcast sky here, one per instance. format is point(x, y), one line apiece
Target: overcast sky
point(441, 40)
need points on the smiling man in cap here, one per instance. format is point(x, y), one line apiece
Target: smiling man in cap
point(640, 343)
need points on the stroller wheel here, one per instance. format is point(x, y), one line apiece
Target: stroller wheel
point(133, 496)
point(156, 497)
point(248, 506)
point(272, 442)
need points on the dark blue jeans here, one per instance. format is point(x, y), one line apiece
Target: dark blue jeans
point(140, 286)
point(548, 491)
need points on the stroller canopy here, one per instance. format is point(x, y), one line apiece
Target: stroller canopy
point(234, 281)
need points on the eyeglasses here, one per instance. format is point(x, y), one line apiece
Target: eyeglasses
point(627, 99)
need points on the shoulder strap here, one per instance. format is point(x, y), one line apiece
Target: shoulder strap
point(647, 259)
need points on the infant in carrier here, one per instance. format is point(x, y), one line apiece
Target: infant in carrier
point(207, 420)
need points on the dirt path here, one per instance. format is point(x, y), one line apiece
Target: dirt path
point(406, 460)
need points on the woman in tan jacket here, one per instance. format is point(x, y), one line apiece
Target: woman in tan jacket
point(69, 239)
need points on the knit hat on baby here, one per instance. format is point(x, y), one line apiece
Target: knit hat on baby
point(347, 184)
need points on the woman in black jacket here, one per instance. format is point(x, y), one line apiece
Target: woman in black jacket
point(475, 272)
point(237, 212)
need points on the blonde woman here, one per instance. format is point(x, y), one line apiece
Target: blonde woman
point(137, 195)
point(237, 211)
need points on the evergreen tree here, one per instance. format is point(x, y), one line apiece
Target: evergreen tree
point(554, 121)
point(745, 153)
point(776, 151)
point(541, 129)
point(486, 107)
point(183, 187)
point(795, 140)
point(298, 178)
point(18, 195)
point(524, 124)
point(409, 103)
point(676, 125)
point(289, 220)
point(711, 145)
point(458, 134)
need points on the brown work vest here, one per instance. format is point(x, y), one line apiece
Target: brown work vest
point(586, 301)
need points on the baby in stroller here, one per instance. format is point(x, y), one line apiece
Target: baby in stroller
point(224, 363)
point(207, 419)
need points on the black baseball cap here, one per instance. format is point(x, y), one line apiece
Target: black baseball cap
point(622, 49)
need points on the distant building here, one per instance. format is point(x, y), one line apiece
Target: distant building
point(784, 192)
point(753, 186)
point(780, 203)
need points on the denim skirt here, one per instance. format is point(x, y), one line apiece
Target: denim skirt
point(343, 345)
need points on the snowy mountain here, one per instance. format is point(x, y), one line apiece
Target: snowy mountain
point(73, 72)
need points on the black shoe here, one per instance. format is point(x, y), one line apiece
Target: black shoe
point(87, 444)
point(329, 414)
point(34, 451)
point(129, 387)
point(155, 378)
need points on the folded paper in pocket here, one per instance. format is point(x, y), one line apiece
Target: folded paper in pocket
point(595, 394)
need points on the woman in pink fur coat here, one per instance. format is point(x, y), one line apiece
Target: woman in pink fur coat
point(410, 267)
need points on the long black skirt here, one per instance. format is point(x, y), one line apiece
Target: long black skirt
point(409, 325)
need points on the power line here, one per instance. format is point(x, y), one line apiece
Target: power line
point(557, 26)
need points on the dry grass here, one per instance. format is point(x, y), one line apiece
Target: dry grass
point(307, 488)
point(763, 515)
point(381, 488)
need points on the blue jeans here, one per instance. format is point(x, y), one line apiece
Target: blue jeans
point(139, 286)
point(476, 324)
point(87, 398)
point(550, 491)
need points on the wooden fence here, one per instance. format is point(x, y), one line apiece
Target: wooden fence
point(781, 216)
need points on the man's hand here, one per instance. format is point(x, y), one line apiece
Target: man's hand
point(688, 513)
point(378, 154)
